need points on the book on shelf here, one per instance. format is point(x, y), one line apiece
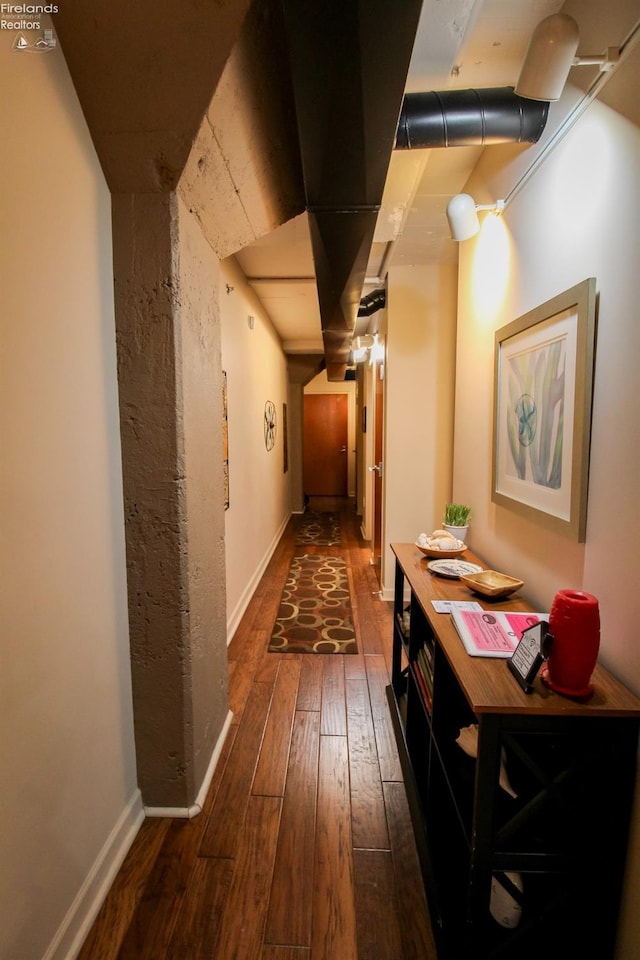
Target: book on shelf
point(493, 633)
point(426, 689)
point(426, 665)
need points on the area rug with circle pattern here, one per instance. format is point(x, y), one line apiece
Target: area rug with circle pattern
point(319, 528)
point(315, 608)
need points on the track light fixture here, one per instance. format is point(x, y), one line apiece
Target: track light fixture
point(462, 214)
point(551, 54)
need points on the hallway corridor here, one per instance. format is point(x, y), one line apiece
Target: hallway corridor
point(304, 850)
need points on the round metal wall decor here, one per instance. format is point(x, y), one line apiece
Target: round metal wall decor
point(269, 424)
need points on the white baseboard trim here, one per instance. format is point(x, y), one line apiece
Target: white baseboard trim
point(249, 590)
point(188, 813)
point(83, 911)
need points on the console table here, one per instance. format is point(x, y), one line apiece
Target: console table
point(523, 839)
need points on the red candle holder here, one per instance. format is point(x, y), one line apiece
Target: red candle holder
point(574, 623)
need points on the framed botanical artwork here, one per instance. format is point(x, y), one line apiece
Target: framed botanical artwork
point(543, 387)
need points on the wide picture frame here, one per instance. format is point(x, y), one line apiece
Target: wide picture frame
point(543, 388)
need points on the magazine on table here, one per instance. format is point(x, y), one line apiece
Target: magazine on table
point(493, 633)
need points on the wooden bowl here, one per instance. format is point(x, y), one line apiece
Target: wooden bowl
point(441, 554)
point(490, 583)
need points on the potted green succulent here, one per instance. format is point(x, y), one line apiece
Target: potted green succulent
point(456, 520)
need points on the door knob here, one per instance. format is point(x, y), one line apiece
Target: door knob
point(343, 449)
point(377, 467)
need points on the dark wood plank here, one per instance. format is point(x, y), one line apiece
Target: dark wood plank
point(417, 932)
point(267, 669)
point(271, 952)
point(218, 774)
point(223, 827)
point(175, 863)
point(117, 912)
point(334, 919)
point(354, 666)
point(274, 753)
point(244, 671)
point(242, 640)
point(333, 719)
point(384, 627)
point(152, 926)
point(368, 818)
point(196, 932)
point(378, 680)
point(364, 585)
point(289, 918)
point(310, 686)
point(377, 908)
point(244, 916)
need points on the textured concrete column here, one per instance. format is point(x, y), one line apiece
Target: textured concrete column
point(174, 736)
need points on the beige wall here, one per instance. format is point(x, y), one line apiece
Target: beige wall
point(578, 217)
point(558, 231)
point(418, 404)
point(70, 804)
point(259, 504)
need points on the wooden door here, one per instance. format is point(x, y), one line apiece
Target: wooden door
point(325, 444)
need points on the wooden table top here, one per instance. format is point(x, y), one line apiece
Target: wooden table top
point(487, 682)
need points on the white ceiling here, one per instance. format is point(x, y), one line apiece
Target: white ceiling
point(459, 44)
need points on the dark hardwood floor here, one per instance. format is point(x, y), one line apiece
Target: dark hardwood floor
point(304, 850)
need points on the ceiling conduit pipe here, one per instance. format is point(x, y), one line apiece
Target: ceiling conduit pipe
point(372, 302)
point(463, 118)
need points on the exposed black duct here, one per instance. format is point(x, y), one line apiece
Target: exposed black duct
point(372, 302)
point(348, 98)
point(463, 118)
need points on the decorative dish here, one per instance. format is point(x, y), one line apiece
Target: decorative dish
point(453, 568)
point(490, 583)
point(441, 554)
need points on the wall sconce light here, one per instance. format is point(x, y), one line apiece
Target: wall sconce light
point(365, 344)
point(377, 351)
point(360, 345)
point(551, 54)
point(462, 214)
